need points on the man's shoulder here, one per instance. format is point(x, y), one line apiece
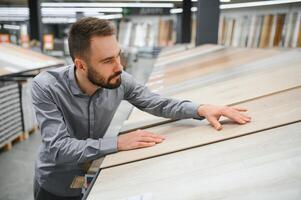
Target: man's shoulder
point(126, 78)
point(51, 77)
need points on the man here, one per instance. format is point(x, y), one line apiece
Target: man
point(74, 106)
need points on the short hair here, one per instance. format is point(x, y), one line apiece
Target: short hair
point(83, 30)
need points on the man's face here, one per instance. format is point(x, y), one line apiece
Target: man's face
point(103, 63)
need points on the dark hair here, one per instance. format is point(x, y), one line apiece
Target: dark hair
point(82, 31)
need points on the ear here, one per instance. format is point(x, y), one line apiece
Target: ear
point(80, 64)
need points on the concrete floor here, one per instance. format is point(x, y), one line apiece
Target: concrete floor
point(17, 169)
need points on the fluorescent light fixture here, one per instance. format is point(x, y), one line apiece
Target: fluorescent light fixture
point(194, 9)
point(152, 0)
point(12, 18)
point(180, 10)
point(11, 27)
point(47, 10)
point(112, 5)
point(58, 20)
point(22, 13)
point(257, 3)
point(176, 10)
point(14, 11)
point(115, 16)
point(224, 1)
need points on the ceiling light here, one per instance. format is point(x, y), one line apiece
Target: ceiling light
point(91, 5)
point(115, 16)
point(180, 10)
point(58, 20)
point(257, 3)
point(11, 27)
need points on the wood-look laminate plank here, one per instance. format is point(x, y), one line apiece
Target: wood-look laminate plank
point(186, 54)
point(264, 165)
point(29, 53)
point(28, 56)
point(16, 59)
point(233, 91)
point(266, 112)
point(206, 66)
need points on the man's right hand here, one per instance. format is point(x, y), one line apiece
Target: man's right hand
point(138, 139)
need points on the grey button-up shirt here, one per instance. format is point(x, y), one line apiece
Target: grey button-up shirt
point(73, 124)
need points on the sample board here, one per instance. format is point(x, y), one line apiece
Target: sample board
point(266, 112)
point(242, 87)
point(14, 59)
point(264, 165)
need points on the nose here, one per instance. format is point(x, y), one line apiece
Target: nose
point(118, 67)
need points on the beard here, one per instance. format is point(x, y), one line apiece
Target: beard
point(101, 81)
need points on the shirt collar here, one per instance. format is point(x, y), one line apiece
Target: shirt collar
point(72, 81)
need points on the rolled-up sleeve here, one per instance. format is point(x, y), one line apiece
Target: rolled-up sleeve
point(142, 98)
point(61, 147)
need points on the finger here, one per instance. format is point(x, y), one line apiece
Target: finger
point(245, 117)
point(213, 121)
point(145, 144)
point(240, 109)
point(236, 118)
point(150, 139)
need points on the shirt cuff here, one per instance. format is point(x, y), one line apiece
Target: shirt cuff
point(194, 110)
point(108, 145)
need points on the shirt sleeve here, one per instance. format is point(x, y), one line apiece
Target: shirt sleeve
point(61, 147)
point(142, 98)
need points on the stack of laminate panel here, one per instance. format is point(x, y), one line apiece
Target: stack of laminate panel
point(10, 113)
point(14, 59)
point(259, 160)
point(29, 119)
point(17, 66)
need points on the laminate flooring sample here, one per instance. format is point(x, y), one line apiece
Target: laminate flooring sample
point(222, 60)
point(14, 59)
point(230, 92)
point(186, 54)
point(265, 165)
point(266, 112)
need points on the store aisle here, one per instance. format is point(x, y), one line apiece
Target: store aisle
point(17, 169)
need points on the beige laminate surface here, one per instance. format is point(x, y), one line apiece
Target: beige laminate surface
point(279, 77)
point(266, 112)
point(14, 59)
point(265, 165)
point(225, 59)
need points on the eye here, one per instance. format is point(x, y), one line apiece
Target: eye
point(108, 61)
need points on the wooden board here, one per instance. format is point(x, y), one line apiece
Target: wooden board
point(264, 165)
point(266, 112)
point(233, 91)
point(187, 54)
point(14, 59)
point(210, 64)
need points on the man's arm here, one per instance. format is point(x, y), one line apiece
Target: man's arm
point(55, 136)
point(142, 98)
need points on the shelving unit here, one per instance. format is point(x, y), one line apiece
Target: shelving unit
point(266, 27)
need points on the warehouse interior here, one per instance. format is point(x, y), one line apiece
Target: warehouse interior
point(239, 53)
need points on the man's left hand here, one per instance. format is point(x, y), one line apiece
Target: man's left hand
point(213, 113)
